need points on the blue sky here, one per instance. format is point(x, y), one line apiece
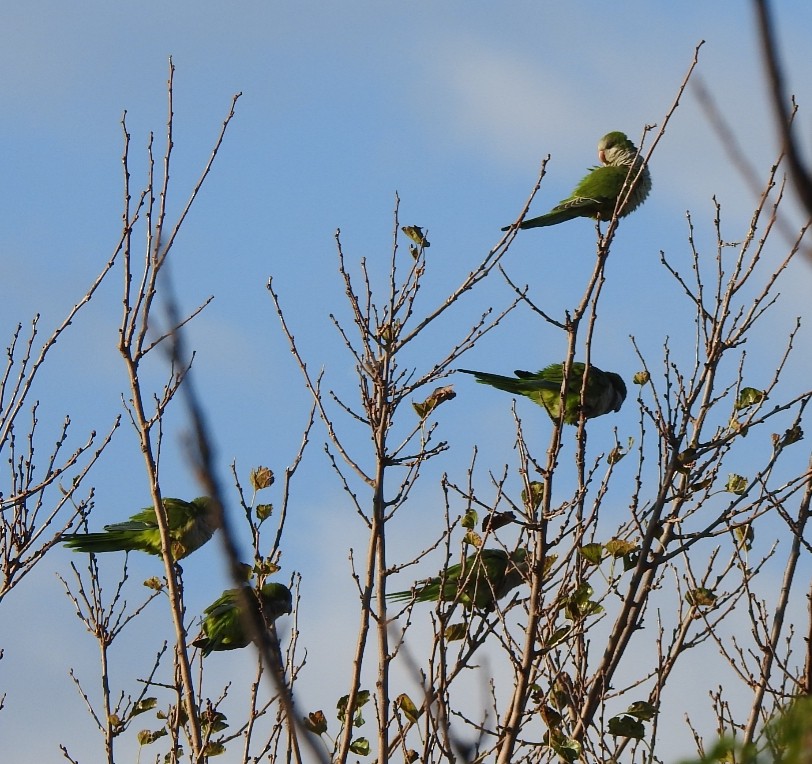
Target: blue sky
point(451, 105)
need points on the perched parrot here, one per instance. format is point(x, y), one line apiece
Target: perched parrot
point(605, 390)
point(191, 524)
point(597, 194)
point(483, 578)
point(222, 620)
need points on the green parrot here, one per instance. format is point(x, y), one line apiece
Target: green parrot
point(222, 620)
point(483, 578)
point(605, 390)
point(597, 194)
point(191, 524)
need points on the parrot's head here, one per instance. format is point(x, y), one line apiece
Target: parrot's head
point(618, 388)
point(613, 147)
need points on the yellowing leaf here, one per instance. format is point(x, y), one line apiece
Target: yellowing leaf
point(592, 553)
point(619, 548)
point(263, 511)
point(745, 535)
point(440, 395)
point(469, 519)
point(536, 495)
point(316, 722)
point(455, 632)
point(415, 233)
point(618, 452)
point(736, 484)
point(790, 436)
point(700, 597)
point(143, 705)
point(408, 708)
point(145, 737)
point(550, 716)
point(261, 477)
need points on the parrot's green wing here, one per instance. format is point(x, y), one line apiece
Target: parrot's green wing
point(191, 524)
point(597, 195)
point(223, 627)
point(605, 391)
point(480, 580)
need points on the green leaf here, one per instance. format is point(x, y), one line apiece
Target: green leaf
point(472, 539)
point(592, 553)
point(579, 605)
point(469, 519)
point(360, 746)
point(642, 709)
point(626, 726)
point(567, 748)
point(213, 721)
point(316, 722)
point(214, 749)
point(749, 396)
point(700, 597)
point(736, 484)
point(641, 377)
point(361, 699)
point(145, 704)
point(557, 637)
point(261, 477)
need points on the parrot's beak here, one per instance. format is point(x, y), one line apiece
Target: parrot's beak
point(602, 157)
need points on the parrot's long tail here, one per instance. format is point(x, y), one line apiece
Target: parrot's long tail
point(551, 218)
point(508, 384)
point(98, 542)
